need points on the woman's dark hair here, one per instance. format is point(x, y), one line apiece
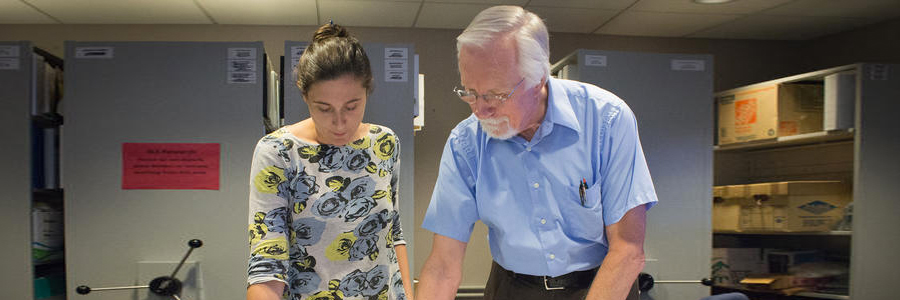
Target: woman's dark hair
point(332, 54)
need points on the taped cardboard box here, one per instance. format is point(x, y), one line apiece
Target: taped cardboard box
point(726, 210)
point(730, 265)
point(760, 113)
point(790, 206)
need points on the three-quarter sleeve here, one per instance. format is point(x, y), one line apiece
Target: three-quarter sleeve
point(268, 215)
point(396, 230)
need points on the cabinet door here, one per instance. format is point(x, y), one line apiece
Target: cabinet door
point(671, 96)
point(158, 92)
point(15, 180)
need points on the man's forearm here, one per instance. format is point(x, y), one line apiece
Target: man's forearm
point(437, 283)
point(616, 275)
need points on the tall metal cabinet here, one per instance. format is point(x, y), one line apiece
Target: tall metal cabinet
point(391, 104)
point(159, 92)
point(864, 154)
point(670, 96)
point(31, 206)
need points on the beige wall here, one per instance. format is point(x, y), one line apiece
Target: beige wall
point(737, 62)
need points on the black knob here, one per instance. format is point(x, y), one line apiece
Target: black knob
point(195, 243)
point(165, 286)
point(645, 282)
point(83, 289)
point(706, 281)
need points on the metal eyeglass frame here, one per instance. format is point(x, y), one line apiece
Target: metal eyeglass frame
point(490, 99)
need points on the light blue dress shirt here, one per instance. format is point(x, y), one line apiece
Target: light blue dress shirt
point(526, 192)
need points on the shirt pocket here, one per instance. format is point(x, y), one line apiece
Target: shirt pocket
point(583, 221)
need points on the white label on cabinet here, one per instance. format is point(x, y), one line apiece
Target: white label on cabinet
point(94, 52)
point(688, 65)
point(9, 51)
point(395, 76)
point(241, 65)
point(241, 53)
point(241, 77)
point(9, 63)
point(398, 53)
point(595, 60)
point(878, 72)
point(395, 64)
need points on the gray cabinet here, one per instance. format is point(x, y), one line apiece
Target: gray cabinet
point(118, 93)
point(670, 96)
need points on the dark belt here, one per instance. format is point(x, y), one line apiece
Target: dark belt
point(577, 279)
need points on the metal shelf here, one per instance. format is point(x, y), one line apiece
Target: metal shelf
point(825, 233)
point(811, 138)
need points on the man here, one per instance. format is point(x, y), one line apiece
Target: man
point(554, 168)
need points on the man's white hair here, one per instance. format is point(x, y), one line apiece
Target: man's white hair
point(529, 31)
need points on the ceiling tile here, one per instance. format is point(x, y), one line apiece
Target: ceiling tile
point(123, 12)
point(448, 15)
point(661, 24)
point(605, 4)
point(781, 27)
point(688, 6)
point(573, 19)
point(369, 13)
point(482, 2)
point(262, 12)
point(16, 12)
point(881, 9)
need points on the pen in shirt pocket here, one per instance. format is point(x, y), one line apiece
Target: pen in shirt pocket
point(582, 186)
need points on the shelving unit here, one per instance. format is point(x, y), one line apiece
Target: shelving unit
point(860, 156)
point(31, 121)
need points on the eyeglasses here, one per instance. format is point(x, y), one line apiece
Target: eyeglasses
point(491, 99)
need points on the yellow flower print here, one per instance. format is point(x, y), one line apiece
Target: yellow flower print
point(277, 133)
point(268, 179)
point(385, 145)
point(275, 248)
point(371, 168)
point(259, 217)
point(337, 183)
point(299, 207)
point(340, 247)
point(383, 295)
point(334, 284)
point(327, 295)
point(362, 143)
point(382, 194)
point(257, 232)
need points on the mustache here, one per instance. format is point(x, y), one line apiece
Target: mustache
point(493, 121)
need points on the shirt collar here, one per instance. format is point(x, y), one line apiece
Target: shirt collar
point(559, 108)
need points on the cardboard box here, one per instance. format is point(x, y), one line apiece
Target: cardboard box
point(780, 261)
point(730, 265)
point(767, 112)
point(726, 210)
point(780, 281)
point(791, 206)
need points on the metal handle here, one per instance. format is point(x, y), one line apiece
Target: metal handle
point(162, 285)
point(646, 282)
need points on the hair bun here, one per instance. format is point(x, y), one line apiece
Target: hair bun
point(328, 31)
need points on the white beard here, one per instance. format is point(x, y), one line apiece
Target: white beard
point(494, 126)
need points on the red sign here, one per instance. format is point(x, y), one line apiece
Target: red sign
point(176, 166)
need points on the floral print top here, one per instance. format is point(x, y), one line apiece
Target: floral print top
point(324, 219)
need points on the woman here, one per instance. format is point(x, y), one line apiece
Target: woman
point(324, 222)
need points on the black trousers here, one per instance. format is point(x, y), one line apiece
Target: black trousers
point(506, 285)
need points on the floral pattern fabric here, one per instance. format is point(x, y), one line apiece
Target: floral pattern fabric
point(324, 219)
